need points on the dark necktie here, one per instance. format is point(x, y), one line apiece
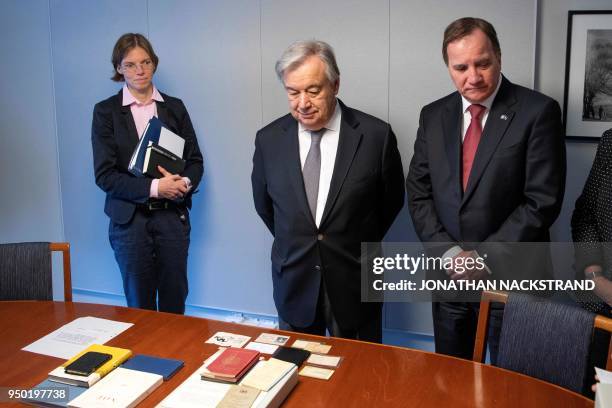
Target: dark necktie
point(312, 171)
point(470, 142)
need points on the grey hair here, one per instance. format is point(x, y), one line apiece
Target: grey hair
point(299, 51)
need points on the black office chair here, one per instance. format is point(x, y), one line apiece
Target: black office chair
point(546, 340)
point(26, 272)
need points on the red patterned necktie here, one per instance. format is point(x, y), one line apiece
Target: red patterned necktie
point(470, 142)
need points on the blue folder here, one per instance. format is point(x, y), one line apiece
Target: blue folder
point(151, 134)
point(166, 367)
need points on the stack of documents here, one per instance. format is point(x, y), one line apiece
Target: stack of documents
point(197, 393)
point(158, 146)
point(119, 355)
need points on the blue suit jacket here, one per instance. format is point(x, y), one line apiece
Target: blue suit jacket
point(114, 138)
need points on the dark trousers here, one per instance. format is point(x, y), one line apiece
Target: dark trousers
point(455, 328)
point(151, 251)
point(370, 329)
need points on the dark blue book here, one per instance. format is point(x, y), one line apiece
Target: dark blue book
point(52, 394)
point(166, 367)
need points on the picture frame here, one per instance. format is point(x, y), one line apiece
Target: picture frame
point(587, 100)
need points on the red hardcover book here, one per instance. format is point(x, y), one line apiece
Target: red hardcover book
point(232, 363)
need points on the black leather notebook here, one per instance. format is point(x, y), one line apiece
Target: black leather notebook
point(292, 355)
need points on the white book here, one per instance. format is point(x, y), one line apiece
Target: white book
point(58, 375)
point(277, 394)
point(121, 388)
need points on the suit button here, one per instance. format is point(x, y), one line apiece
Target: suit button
point(318, 267)
point(320, 237)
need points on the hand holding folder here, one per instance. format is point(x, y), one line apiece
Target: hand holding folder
point(171, 186)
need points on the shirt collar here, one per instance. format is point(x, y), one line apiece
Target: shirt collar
point(487, 103)
point(333, 123)
point(129, 99)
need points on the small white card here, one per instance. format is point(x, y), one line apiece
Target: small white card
point(262, 347)
point(301, 344)
point(312, 346)
point(328, 361)
point(228, 339)
point(316, 372)
point(270, 338)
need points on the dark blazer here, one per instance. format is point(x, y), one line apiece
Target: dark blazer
point(365, 195)
point(516, 188)
point(592, 218)
point(114, 138)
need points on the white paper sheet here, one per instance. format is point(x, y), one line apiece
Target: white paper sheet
point(171, 141)
point(270, 338)
point(77, 335)
point(261, 347)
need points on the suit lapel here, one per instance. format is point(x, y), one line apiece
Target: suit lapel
point(162, 113)
point(498, 121)
point(293, 167)
point(348, 142)
point(452, 141)
point(128, 119)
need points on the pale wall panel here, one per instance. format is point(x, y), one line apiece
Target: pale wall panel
point(210, 56)
point(30, 208)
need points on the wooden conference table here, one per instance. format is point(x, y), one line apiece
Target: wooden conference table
point(370, 375)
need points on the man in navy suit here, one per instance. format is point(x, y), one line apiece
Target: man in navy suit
point(325, 179)
point(488, 167)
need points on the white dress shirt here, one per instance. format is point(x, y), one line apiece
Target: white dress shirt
point(329, 147)
point(467, 118)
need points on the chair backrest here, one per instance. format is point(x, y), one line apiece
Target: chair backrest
point(26, 272)
point(546, 340)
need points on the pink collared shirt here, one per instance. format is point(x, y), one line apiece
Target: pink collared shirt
point(142, 113)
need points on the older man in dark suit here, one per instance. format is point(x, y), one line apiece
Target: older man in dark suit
point(325, 179)
point(488, 167)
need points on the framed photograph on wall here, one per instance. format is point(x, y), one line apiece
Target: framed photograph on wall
point(587, 102)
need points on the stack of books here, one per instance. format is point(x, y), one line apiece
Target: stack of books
point(266, 385)
point(109, 384)
point(158, 146)
point(230, 365)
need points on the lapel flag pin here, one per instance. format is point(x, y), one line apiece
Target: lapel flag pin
point(503, 117)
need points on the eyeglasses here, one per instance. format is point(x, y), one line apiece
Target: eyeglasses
point(145, 65)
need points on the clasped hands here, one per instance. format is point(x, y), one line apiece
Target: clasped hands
point(466, 270)
point(171, 186)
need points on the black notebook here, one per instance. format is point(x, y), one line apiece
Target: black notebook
point(292, 355)
point(157, 155)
